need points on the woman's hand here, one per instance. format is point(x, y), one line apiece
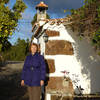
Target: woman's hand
point(22, 83)
point(41, 82)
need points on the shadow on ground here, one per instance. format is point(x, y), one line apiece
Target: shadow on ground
point(10, 88)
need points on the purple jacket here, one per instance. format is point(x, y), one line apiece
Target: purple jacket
point(34, 70)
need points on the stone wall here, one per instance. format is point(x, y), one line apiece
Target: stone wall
point(50, 64)
point(57, 97)
point(54, 47)
point(52, 33)
point(60, 85)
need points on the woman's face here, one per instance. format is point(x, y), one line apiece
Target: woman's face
point(33, 48)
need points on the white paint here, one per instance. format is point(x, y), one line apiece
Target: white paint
point(48, 96)
point(42, 45)
point(35, 41)
point(66, 62)
point(70, 64)
point(64, 35)
point(41, 22)
point(89, 64)
point(83, 63)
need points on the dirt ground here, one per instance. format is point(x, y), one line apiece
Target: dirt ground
point(10, 88)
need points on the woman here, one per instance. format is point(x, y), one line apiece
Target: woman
point(33, 73)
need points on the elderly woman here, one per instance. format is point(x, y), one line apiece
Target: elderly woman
point(33, 73)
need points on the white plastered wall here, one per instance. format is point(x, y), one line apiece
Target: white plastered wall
point(69, 63)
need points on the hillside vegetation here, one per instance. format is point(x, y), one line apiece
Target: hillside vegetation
point(9, 20)
point(86, 20)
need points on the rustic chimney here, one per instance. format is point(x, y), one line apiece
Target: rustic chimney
point(41, 11)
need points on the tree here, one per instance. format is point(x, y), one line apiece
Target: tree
point(4, 1)
point(88, 19)
point(18, 51)
point(9, 19)
point(96, 39)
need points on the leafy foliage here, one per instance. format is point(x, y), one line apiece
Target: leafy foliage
point(97, 19)
point(9, 19)
point(18, 51)
point(4, 1)
point(89, 1)
point(34, 19)
point(87, 18)
point(96, 39)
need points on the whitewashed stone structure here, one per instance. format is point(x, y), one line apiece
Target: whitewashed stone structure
point(65, 52)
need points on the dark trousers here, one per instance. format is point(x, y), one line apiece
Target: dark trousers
point(34, 92)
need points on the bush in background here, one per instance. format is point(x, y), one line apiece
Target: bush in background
point(18, 51)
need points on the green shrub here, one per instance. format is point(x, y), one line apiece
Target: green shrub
point(18, 51)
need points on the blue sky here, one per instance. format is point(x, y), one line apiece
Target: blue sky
point(55, 10)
